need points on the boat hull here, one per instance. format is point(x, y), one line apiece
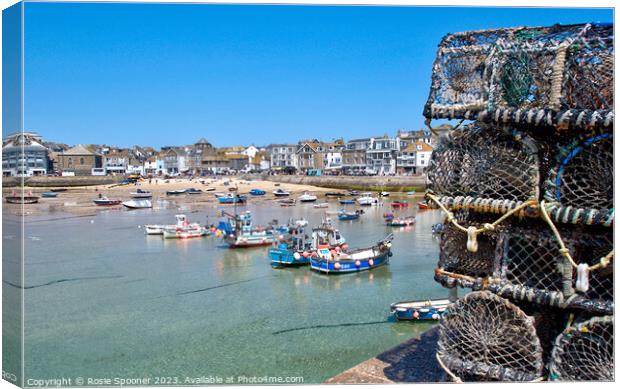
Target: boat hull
point(20, 200)
point(105, 203)
point(286, 258)
point(188, 234)
point(348, 266)
point(419, 310)
point(252, 241)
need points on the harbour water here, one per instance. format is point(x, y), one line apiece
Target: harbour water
point(103, 300)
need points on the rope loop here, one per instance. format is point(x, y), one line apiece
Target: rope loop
point(472, 242)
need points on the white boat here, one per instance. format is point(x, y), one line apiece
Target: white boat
point(136, 204)
point(183, 229)
point(301, 223)
point(280, 193)
point(154, 229)
point(307, 198)
point(321, 205)
point(367, 199)
point(384, 194)
point(141, 194)
point(219, 194)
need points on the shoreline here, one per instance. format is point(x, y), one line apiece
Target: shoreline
point(78, 200)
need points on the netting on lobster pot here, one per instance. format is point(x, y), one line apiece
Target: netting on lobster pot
point(485, 337)
point(459, 266)
point(485, 169)
point(533, 268)
point(585, 352)
point(580, 185)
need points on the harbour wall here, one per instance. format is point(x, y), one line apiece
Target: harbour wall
point(49, 182)
point(370, 183)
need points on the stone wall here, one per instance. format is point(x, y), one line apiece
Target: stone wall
point(48, 182)
point(371, 183)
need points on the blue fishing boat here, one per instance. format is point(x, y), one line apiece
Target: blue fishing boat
point(419, 310)
point(257, 192)
point(239, 231)
point(295, 249)
point(331, 261)
point(345, 215)
point(49, 194)
point(346, 202)
point(231, 198)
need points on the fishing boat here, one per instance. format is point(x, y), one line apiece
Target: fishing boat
point(419, 310)
point(332, 261)
point(138, 204)
point(367, 199)
point(307, 198)
point(321, 205)
point(346, 201)
point(423, 205)
point(232, 198)
point(25, 199)
point(280, 193)
point(347, 215)
point(301, 222)
point(295, 249)
point(104, 201)
point(353, 193)
point(399, 204)
point(183, 229)
point(287, 202)
point(49, 194)
point(175, 192)
point(193, 191)
point(141, 194)
point(401, 221)
point(257, 192)
point(334, 194)
point(384, 194)
point(239, 231)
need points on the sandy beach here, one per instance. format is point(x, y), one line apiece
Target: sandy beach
point(79, 200)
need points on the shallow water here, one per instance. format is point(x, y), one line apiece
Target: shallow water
point(103, 300)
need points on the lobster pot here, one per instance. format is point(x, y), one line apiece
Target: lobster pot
point(485, 337)
point(481, 169)
point(457, 265)
point(580, 184)
point(558, 76)
point(585, 352)
point(533, 269)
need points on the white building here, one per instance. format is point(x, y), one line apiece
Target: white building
point(115, 163)
point(282, 156)
point(23, 154)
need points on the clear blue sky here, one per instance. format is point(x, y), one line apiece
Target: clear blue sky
point(161, 74)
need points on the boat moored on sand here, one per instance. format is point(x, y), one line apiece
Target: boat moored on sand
point(419, 310)
point(232, 198)
point(280, 193)
point(137, 204)
point(105, 201)
point(141, 194)
point(257, 192)
point(307, 198)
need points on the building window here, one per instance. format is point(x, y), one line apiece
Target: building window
point(81, 161)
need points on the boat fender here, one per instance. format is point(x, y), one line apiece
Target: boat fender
point(337, 265)
point(337, 249)
point(358, 263)
point(371, 262)
point(345, 246)
point(416, 315)
point(435, 316)
point(280, 237)
point(388, 245)
point(332, 252)
point(296, 256)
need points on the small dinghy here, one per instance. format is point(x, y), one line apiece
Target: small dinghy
point(193, 191)
point(399, 204)
point(321, 205)
point(346, 202)
point(307, 198)
point(175, 192)
point(384, 194)
point(419, 310)
point(183, 229)
point(423, 205)
point(104, 201)
point(330, 261)
point(141, 194)
point(138, 204)
point(49, 194)
point(280, 193)
point(411, 193)
point(301, 222)
point(257, 192)
point(347, 215)
point(335, 194)
point(401, 221)
point(210, 189)
point(232, 198)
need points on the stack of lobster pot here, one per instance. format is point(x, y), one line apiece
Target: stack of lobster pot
point(526, 182)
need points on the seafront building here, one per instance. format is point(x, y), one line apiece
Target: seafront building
point(23, 154)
